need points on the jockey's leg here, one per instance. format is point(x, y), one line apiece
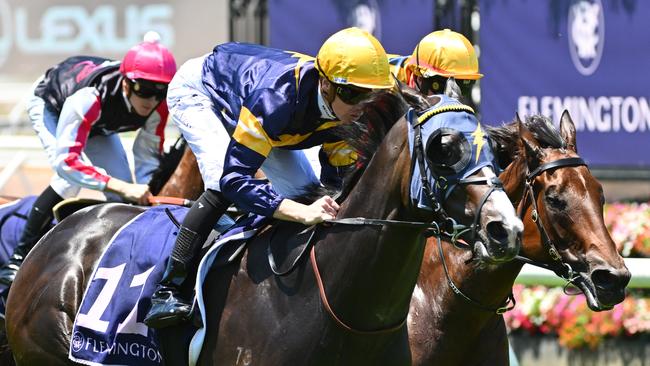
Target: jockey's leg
point(167, 306)
point(38, 222)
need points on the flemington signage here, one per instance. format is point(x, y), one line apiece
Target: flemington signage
point(585, 56)
point(36, 34)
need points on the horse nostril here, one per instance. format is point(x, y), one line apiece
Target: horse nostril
point(610, 280)
point(496, 231)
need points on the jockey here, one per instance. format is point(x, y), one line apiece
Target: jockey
point(246, 107)
point(438, 56)
point(77, 108)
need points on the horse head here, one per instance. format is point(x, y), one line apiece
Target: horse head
point(454, 166)
point(578, 246)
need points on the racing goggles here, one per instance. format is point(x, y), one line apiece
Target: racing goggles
point(146, 89)
point(351, 94)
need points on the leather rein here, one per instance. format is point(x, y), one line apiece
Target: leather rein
point(442, 225)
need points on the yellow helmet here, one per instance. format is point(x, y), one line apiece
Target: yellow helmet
point(445, 53)
point(354, 57)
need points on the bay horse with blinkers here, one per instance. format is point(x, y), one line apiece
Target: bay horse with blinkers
point(343, 313)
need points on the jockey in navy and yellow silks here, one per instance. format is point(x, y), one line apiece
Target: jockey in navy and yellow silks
point(437, 57)
point(245, 107)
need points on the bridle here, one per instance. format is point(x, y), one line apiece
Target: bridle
point(558, 266)
point(561, 268)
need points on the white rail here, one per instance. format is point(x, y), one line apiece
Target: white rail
point(640, 268)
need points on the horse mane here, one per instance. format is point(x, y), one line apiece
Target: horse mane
point(377, 115)
point(168, 163)
point(506, 137)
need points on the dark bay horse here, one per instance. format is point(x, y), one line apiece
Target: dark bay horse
point(565, 202)
point(367, 273)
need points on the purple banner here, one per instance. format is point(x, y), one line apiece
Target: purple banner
point(588, 56)
point(302, 26)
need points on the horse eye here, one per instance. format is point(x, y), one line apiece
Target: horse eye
point(556, 202)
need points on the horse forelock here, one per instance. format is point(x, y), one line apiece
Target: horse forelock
point(506, 136)
point(545, 132)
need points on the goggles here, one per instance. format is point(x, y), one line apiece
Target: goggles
point(146, 89)
point(351, 95)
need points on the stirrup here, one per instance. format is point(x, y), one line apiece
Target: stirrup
point(8, 273)
point(167, 312)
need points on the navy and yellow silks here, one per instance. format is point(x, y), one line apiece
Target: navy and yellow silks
point(267, 98)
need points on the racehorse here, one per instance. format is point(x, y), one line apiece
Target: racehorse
point(561, 205)
point(341, 314)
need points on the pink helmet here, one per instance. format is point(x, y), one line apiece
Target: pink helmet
point(149, 60)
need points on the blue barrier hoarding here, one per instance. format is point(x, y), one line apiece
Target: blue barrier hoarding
point(588, 56)
point(302, 26)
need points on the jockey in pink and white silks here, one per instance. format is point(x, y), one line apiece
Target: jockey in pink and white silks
point(77, 108)
point(246, 107)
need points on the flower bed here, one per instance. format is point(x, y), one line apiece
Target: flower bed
point(549, 311)
point(629, 225)
point(542, 310)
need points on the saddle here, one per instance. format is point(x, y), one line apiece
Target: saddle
point(287, 243)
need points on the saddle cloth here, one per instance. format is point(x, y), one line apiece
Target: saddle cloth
point(108, 328)
point(13, 217)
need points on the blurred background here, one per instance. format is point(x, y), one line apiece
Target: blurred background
point(543, 56)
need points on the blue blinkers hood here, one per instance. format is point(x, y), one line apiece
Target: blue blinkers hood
point(448, 116)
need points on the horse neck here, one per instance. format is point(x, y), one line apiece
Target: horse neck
point(443, 325)
point(186, 180)
point(374, 268)
point(435, 301)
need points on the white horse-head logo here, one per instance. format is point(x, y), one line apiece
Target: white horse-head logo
point(366, 15)
point(586, 35)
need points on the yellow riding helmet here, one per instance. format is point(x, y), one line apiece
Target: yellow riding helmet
point(354, 57)
point(446, 53)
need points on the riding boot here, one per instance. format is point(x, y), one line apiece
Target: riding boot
point(38, 222)
point(168, 307)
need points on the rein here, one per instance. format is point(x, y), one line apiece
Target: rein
point(451, 230)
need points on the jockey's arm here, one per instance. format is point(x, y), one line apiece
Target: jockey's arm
point(79, 112)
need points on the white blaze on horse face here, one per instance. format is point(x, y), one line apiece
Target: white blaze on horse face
point(503, 211)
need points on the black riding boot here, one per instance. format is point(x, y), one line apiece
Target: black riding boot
point(37, 224)
point(168, 307)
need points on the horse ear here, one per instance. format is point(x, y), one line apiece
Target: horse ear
point(530, 148)
point(568, 131)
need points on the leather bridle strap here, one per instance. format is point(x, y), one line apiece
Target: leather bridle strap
point(561, 268)
point(555, 164)
point(330, 311)
point(507, 305)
